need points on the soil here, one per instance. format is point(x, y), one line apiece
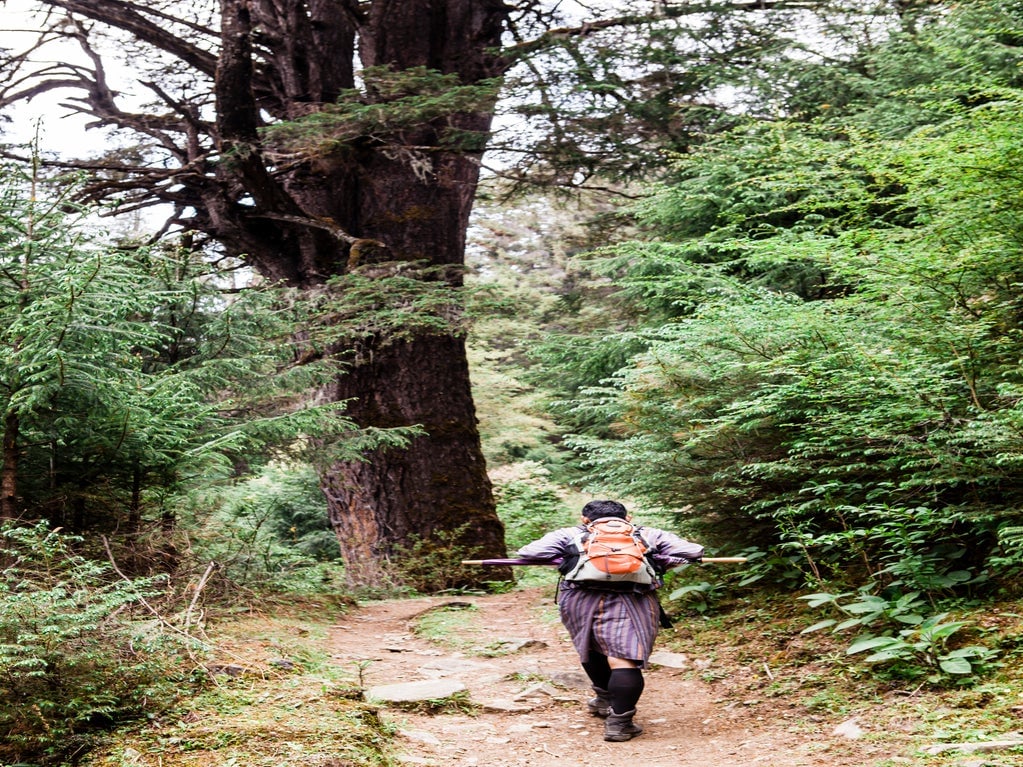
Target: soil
point(510, 652)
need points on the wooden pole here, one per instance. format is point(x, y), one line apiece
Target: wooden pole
point(713, 560)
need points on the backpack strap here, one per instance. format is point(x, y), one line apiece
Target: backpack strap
point(570, 560)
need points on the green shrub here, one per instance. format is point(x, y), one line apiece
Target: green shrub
point(72, 660)
point(269, 532)
point(430, 564)
point(828, 356)
point(529, 506)
point(923, 649)
point(899, 638)
point(697, 596)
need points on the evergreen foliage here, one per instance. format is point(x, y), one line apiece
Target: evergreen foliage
point(131, 377)
point(533, 292)
point(596, 100)
point(530, 505)
point(80, 408)
point(73, 657)
point(267, 533)
point(830, 361)
point(134, 391)
point(390, 105)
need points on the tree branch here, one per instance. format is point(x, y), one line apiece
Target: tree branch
point(664, 11)
point(129, 17)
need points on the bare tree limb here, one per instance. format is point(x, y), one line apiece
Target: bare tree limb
point(663, 11)
point(132, 19)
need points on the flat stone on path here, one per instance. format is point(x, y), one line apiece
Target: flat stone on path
point(986, 746)
point(537, 689)
point(506, 706)
point(669, 659)
point(850, 729)
point(515, 645)
point(570, 679)
point(450, 665)
point(413, 692)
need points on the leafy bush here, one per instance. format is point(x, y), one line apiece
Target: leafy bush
point(841, 372)
point(431, 564)
point(924, 647)
point(898, 637)
point(771, 566)
point(697, 596)
point(529, 505)
point(1009, 556)
point(129, 373)
point(71, 657)
point(917, 548)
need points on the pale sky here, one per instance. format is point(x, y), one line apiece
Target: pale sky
point(57, 134)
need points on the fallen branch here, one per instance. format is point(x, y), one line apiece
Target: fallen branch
point(206, 643)
point(152, 610)
point(198, 590)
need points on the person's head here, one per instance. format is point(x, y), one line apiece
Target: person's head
point(603, 509)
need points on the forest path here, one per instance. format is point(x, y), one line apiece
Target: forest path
point(531, 699)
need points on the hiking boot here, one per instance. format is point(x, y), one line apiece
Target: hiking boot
point(601, 705)
point(620, 727)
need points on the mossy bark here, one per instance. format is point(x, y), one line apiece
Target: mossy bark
point(407, 196)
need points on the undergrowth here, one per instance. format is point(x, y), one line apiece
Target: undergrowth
point(276, 698)
point(77, 652)
point(751, 648)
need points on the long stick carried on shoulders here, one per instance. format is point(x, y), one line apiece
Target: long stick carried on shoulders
point(556, 562)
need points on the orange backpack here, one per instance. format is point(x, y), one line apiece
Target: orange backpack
point(610, 551)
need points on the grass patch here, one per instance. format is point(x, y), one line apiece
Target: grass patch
point(457, 703)
point(276, 699)
point(449, 625)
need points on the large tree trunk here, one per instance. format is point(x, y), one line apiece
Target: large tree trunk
point(417, 205)
point(405, 201)
point(437, 489)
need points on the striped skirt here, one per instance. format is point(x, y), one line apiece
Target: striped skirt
point(621, 625)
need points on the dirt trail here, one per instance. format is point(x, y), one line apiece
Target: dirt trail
point(687, 721)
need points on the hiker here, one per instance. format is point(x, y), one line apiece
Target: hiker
point(612, 622)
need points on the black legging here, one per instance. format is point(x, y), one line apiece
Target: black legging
point(597, 670)
point(625, 685)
